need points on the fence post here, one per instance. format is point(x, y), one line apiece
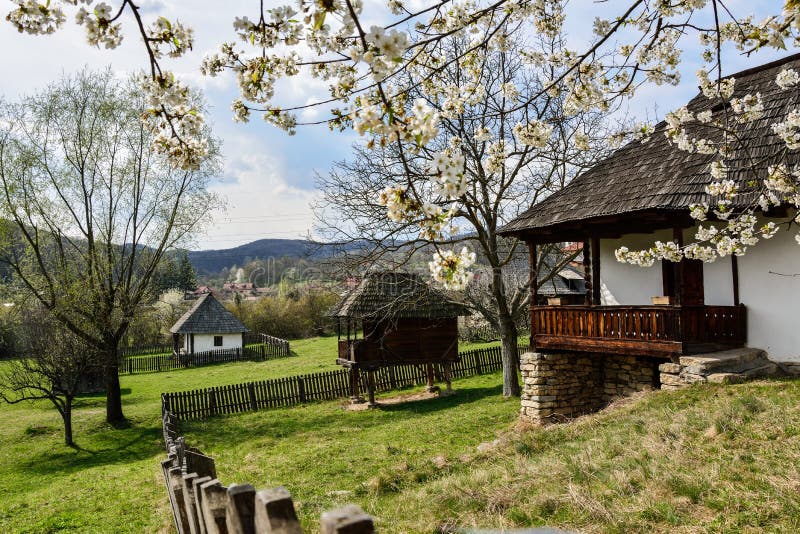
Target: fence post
point(275, 512)
point(251, 388)
point(239, 512)
point(350, 520)
point(212, 401)
point(301, 388)
point(478, 368)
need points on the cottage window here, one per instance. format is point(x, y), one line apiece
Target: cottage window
point(217, 341)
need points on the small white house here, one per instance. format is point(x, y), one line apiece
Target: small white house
point(207, 326)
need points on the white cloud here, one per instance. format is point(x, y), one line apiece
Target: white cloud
point(261, 202)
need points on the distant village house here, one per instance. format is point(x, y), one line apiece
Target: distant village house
point(207, 326)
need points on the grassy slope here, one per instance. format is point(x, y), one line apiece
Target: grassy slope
point(708, 459)
point(112, 483)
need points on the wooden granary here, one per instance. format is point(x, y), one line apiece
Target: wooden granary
point(394, 318)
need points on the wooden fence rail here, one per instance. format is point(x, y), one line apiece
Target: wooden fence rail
point(329, 385)
point(142, 350)
point(270, 348)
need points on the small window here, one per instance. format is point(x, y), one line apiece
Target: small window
point(217, 341)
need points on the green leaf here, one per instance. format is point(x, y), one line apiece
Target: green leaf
point(319, 19)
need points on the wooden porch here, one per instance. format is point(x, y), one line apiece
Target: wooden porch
point(663, 331)
point(684, 326)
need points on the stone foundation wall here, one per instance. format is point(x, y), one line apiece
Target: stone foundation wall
point(559, 385)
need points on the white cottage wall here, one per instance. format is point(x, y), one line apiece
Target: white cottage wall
point(205, 342)
point(629, 284)
point(769, 285)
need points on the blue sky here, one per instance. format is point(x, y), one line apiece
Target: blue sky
point(268, 181)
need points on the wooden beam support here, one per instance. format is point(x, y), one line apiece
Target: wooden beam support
point(533, 276)
point(596, 270)
point(677, 269)
point(735, 279)
point(587, 272)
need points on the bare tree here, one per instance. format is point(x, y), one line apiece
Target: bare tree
point(502, 176)
point(57, 366)
point(89, 208)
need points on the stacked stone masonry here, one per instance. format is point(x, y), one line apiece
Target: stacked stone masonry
point(723, 367)
point(560, 385)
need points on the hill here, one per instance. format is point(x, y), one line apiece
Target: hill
point(212, 261)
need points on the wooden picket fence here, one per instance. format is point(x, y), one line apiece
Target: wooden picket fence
point(200, 503)
point(329, 385)
point(270, 348)
point(144, 350)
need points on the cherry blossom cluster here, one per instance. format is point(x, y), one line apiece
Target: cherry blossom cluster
point(362, 63)
point(177, 123)
point(35, 17)
point(176, 38)
point(535, 133)
point(99, 25)
point(451, 269)
point(781, 187)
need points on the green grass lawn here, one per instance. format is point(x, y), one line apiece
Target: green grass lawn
point(707, 459)
point(111, 483)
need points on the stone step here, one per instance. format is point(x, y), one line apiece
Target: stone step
point(702, 364)
point(750, 373)
point(767, 369)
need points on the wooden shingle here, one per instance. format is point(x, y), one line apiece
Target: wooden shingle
point(656, 176)
point(208, 316)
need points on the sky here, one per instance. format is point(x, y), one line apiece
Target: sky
point(268, 178)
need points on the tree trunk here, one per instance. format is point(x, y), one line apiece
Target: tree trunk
point(66, 416)
point(113, 392)
point(508, 336)
point(508, 341)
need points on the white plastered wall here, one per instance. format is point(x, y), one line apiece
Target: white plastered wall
point(205, 342)
point(769, 285)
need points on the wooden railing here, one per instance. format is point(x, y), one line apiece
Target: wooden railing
point(640, 330)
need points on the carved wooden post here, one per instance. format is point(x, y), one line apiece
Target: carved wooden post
point(677, 237)
point(534, 283)
point(447, 371)
point(301, 389)
point(595, 270)
point(214, 504)
point(275, 514)
point(240, 509)
point(587, 272)
point(348, 520)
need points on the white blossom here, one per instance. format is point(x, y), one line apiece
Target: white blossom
point(451, 270)
point(787, 78)
point(536, 133)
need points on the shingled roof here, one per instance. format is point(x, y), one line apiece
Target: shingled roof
point(656, 176)
point(208, 316)
point(397, 295)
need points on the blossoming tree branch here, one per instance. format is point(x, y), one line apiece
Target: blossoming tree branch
point(365, 66)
